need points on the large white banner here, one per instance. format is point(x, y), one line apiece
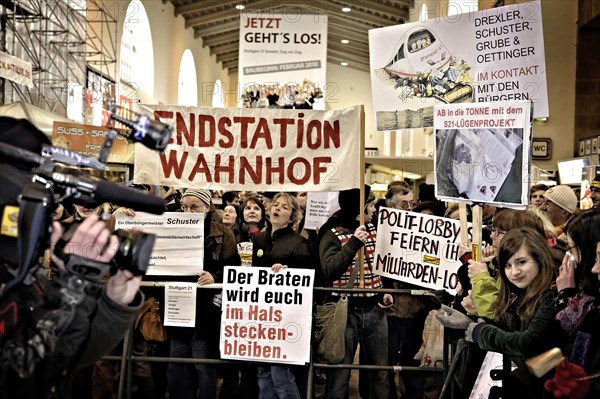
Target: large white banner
point(15, 69)
point(486, 56)
point(282, 55)
point(179, 246)
point(267, 316)
point(256, 149)
point(482, 153)
point(417, 248)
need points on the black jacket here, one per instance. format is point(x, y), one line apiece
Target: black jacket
point(284, 246)
point(72, 337)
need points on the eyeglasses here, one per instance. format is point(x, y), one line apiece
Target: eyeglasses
point(497, 231)
point(404, 205)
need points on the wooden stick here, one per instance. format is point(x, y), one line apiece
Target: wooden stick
point(361, 166)
point(477, 255)
point(464, 229)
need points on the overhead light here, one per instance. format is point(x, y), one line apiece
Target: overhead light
point(345, 41)
point(240, 6)
point(379, 187)
point(343, 63)
point(346, 9)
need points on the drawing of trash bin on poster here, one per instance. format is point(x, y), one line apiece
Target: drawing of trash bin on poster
point(483, 152)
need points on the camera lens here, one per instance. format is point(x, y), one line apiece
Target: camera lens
point(134, 251)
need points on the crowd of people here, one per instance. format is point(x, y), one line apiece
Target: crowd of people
point(536, 288)
point(522, 299)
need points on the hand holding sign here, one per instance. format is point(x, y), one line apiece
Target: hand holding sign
point(205, 278)
point(361, 233)
point(277, 267)
point(476, 268)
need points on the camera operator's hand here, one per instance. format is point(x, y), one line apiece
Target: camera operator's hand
point(93, 240)
point(123, 286)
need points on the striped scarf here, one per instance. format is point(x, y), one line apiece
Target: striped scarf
point(371, 280)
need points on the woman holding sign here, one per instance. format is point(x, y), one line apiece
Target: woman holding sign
point(280, 247)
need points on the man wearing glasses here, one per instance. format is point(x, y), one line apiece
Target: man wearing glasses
point(560, 205)
point(406, 317)
point(400, 197)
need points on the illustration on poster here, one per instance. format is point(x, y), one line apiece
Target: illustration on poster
point(422, 66)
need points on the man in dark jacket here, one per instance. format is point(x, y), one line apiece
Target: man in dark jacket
point(202, 342)
point(340, 239)
point(49, 328)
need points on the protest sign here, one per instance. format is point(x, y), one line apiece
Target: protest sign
point(418, 248)
point(179, 246)
point(267, 316)
point(180, 299)
point(484, 56)
point(296, 150)
point(319, 206)
point(282, 60)
point(482, 153)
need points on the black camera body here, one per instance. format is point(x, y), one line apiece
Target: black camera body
point(36, 184)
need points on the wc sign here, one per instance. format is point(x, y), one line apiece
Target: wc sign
point(541, 148)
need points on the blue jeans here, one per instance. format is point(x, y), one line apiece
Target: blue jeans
point(180, 375)
point(277, 382)
point(367, 326)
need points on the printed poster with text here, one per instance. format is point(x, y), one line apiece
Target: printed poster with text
point(282, 54)
point(485, 56)
point(179, 246)
point(418, 249)
point(267, 316)
point(482, 153)
point(257, 149)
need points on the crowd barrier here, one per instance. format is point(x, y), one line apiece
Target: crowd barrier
point(127, 357)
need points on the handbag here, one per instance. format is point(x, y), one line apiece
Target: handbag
point(330, 328)
point(149, 321)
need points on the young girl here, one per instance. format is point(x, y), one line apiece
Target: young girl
point(525, 304)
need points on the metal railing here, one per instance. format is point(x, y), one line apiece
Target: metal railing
point(127, 357)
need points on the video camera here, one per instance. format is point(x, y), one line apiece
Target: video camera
point(39, 177)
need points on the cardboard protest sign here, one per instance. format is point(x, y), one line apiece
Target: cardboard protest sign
point(296, 150)
point(482, 153)
point(418, 248)
point(267, 316)
point(179, 246)
point(484, 56)
point(319, 207)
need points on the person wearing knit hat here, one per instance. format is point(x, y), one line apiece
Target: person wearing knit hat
point(561, 204)
point(339, 241)
point(196, 200)
point(202, 341)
